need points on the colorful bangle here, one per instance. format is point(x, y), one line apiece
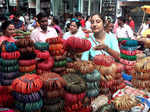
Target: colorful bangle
point(27, 68)
point(55, 47)
point(27, 62)
point(127, 57)
point(75, 84)
point(121, 39)
point(29, 107)
point(129, 43)
point(10, 75)
point(58, 69)
point(60, 63)
point(9, 68)
point(25, 98)
point(126, 52)
point(126, 62)
point(128, 48)
point(4, 62)
point(10, 55)
point(43, 55)
point(54, 108)
point(41, 46)
point(27, 84)
point(54, 40)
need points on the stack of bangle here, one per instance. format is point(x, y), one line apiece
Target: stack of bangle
point(9, 66)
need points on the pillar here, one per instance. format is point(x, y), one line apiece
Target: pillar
point(37, 7)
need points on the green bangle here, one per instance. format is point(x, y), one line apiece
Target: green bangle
point(127, 57)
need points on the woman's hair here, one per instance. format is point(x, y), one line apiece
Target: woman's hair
point(42, 15)
point(100, 16)
point(55, 20)
point(87, 18)
point(121, 18)
point(76, 21)
point(5, 25)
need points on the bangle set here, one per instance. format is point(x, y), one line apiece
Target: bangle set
point(10, 55)
point(9, 69)
point(127, 57)
point(27, 84)
point(75, 84)
point(41, 46)
point(126, 52)
point(23, 43)
point(4, 62)
point(54, 40)
point(54, 47)
point(28, 68)
point(126, 62)
point(27, 62)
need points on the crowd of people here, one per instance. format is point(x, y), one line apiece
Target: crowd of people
point(100, 29)
point(99, 34)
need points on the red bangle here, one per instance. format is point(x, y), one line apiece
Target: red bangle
point(27, 62)
point(27, 84)
point(130, 53)
point(55, 47)
point(54, 40)
point(43, 55)
point(10, 55)
point(126, 62)
point(27, 68)
point(45, 65)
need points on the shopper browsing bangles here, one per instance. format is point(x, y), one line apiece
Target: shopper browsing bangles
point(101, 41)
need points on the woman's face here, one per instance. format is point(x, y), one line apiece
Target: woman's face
point(96, 24)
point(10, 30)
point(73, 27)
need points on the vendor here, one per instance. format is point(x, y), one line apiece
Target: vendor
point(8, 29)
point(102, 42)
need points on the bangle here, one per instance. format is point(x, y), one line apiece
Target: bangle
point(106, 49)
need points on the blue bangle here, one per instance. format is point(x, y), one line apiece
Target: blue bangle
point(129, 48)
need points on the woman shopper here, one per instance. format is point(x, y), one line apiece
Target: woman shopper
point(8, 29)
point(101, 41)
point(74, 30)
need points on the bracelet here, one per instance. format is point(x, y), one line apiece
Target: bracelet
point(4, 62)
point(127, 57)
point(41, 46)
point(54, 40)
point(27, 68)
point(55, 47)
point(127, 52)
point(10, 55)
point(27, 62)
point(126, 62)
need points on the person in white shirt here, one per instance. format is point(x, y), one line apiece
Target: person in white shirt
point(88, 23)
point(144, 26)
point(74, 30)
point(124, 30)
point(43, 32)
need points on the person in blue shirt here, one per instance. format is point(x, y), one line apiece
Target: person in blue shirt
point(102, 42)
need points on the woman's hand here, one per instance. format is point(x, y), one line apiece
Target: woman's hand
point(101, 47)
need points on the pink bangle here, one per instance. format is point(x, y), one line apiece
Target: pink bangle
point(126, 62)
point(130, 53)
